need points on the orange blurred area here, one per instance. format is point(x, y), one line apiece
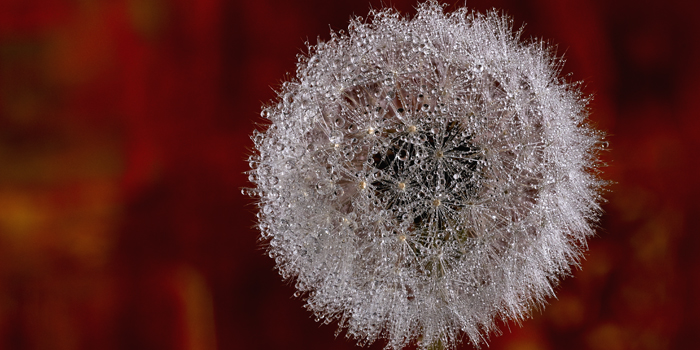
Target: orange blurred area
point(123, 144)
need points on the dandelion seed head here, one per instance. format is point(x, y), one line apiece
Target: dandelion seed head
point(422, 178)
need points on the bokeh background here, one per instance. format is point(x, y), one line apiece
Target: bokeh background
point(123, 142)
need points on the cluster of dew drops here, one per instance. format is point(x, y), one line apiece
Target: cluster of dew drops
point(412, 163)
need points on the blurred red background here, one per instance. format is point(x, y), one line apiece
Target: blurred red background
point(123, 142)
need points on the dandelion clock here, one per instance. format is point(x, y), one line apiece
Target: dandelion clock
point(422, 178)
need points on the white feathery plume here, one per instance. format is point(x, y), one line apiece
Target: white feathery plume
point(423, 177)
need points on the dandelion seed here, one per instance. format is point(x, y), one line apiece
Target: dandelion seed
point(422, 178)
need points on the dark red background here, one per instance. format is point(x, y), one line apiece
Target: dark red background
point(123, 140)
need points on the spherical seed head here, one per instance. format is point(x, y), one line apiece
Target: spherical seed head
point(422, 178)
